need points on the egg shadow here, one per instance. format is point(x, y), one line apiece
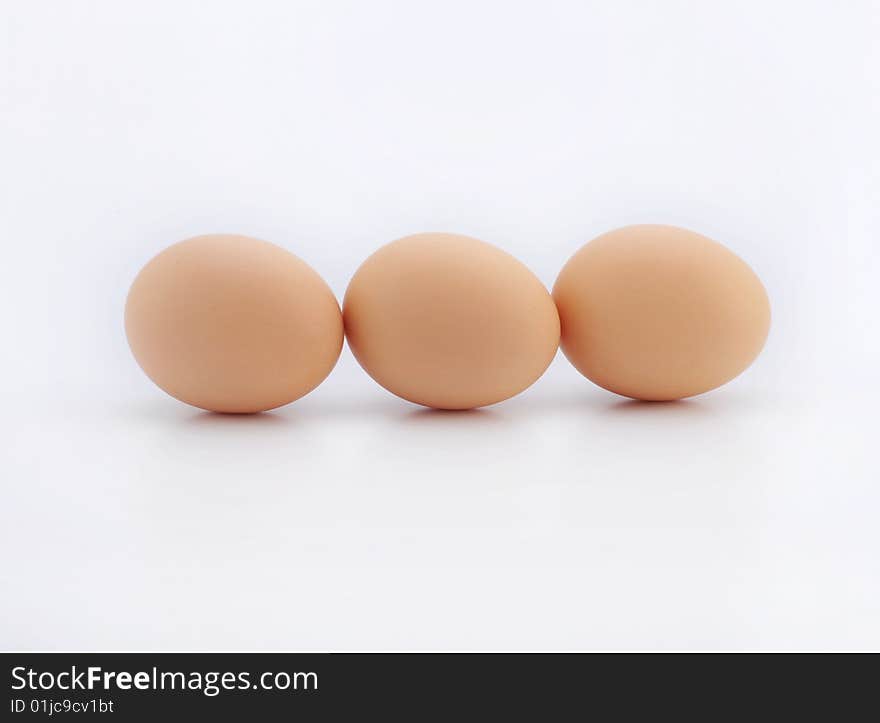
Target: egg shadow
point(206, 419)
point(638, 408)
point(427, 417)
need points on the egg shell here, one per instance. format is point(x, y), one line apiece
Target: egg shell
point(233, 324)
point(660, 313)
point(450, 322)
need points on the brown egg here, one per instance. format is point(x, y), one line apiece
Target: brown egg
point(232, 324)
point(449, 322)
point(659, 312)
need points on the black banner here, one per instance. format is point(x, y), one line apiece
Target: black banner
point(146, 686)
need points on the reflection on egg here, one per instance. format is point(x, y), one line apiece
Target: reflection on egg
point(660, 313)
point(450, 322)
point(233, 324)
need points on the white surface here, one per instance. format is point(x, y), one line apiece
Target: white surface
point(563, 519)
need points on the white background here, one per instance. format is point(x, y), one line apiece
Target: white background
point(566, 518)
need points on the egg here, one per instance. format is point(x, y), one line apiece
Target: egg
point(449, 322)
point(232, 324)
point(660, 313)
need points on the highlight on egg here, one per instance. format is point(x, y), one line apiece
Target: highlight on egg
point(233, 324)
point(660, 313)
point(449, 322)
